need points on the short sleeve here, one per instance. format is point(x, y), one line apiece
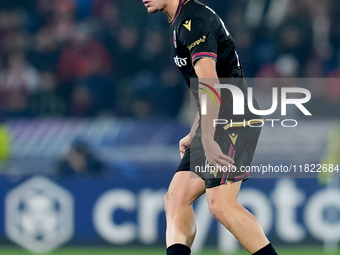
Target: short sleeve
point(200, 36)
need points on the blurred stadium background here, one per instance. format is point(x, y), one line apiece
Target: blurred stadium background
point(92, 108)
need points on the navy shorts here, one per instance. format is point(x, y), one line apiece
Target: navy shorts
point(238, 143)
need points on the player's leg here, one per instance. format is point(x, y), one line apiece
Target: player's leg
point(239, 143)
point(241, 223)
point(184, 189)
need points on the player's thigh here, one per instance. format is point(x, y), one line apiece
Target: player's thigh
point(185, 188)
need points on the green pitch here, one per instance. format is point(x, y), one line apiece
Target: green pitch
point(157, 251)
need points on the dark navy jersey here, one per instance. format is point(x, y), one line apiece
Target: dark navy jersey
point(198, 32)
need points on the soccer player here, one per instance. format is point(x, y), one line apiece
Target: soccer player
point(204, 49)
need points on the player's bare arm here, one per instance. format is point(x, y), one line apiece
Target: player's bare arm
point(205, 69)
point(185, 141)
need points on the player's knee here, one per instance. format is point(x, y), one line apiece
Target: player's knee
point(173, 202)
point(221, 212)
point(215, 209)
point(167, 202)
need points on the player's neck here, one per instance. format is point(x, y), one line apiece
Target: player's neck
point(171, 8)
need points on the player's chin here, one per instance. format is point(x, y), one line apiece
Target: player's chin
point(152, 10)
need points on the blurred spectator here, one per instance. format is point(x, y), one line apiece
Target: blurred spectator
point(94, 95)
point(294, 37)
point(154, 54)
point(83, 56)
point(107, 13)
point(62, 21)
point(287, 66)
point(126, 54)
point(171, 104)
point(102, 91)
point(313, 68)
point(46, 101)
point(107, 19)
point(16, 104)
point(44, 11)
point(80, 161)
point(12, 35)
point(45, 53)
point(82, 103)
point(19, 74)
point(17, 84)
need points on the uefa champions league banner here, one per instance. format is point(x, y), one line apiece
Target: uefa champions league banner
point(41, 214)
point(47, 202)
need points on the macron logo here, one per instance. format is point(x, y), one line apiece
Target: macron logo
point(187, 25)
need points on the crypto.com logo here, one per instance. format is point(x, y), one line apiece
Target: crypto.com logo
point(239, 103)
point(39, 215)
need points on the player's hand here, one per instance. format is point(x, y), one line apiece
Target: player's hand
point(215, 155)
point(183, 144)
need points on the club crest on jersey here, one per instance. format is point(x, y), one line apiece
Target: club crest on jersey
point(174, 39)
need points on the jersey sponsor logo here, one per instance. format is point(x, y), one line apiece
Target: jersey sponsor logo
point(180, 61)
point(197, 42)
point(174, 39)
point(187, 25)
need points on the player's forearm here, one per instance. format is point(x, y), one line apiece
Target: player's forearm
point(194, 126)
point(207, 120)
point(205, 69)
